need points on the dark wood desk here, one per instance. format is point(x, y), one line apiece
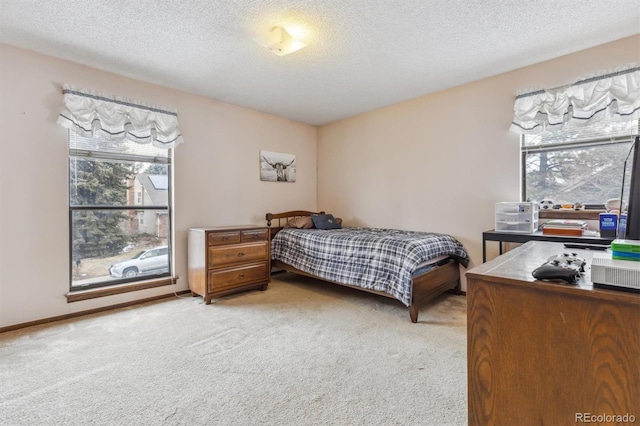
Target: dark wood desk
point(511, 237)
point(544, 352)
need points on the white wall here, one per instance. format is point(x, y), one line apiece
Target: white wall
point(217, 178)
point(437, 163)
point(441, 162)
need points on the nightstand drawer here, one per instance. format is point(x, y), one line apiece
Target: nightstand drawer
point(237, 276)
point(221, 255)
point(255, 235)
point(219, 238)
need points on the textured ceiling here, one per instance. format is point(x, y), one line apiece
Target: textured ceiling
point(361, 54)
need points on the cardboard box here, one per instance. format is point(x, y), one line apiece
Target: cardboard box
point(608, 225)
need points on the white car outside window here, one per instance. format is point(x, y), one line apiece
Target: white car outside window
point(151, 261)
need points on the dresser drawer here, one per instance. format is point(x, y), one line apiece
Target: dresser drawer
point(219, 238)
point(255, 235)
point(229, 255)
point(237, 276)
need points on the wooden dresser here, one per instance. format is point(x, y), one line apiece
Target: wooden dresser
point(229, 259)
point(549, 353)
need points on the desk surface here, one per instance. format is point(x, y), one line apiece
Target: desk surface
point(515, 268)
point(512, 237)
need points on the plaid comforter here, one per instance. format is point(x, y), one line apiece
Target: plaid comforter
point(371, 258)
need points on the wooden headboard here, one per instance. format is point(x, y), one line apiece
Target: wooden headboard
point(282, 219)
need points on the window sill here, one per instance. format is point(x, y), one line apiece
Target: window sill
point(571, 214)
point(76, 296)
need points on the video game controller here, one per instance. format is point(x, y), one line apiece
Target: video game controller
point(565, 266)
point(556, 271)
point(568, 258)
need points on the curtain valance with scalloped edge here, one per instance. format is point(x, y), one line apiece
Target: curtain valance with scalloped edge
point(613, 96)
point(93, 114)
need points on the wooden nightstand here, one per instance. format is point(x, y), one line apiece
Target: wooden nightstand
point(226, 260)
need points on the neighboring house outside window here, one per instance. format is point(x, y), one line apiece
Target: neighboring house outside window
point(152, 190)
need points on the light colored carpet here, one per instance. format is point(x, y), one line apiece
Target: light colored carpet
point(301, 353)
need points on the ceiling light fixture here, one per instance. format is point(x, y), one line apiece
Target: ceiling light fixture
point(280, 42)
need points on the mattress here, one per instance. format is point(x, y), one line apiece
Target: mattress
point(371, 258)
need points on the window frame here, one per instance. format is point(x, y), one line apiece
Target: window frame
point(559, 146)
point(120, 157)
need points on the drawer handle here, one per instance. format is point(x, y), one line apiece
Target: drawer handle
point(225, 238)
point(241, 276)
point(240, 254)
point(255, 236)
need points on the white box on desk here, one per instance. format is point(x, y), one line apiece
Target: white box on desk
point(519, 218)
point(613, 272)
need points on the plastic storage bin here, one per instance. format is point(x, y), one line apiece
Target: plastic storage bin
point(517, 217)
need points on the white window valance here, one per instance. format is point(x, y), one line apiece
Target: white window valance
point(93, 114)
point(614, 96)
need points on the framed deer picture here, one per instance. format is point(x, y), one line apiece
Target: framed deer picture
point(277, 167)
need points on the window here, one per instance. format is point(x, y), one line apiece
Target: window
point(581, 164)
point(110, 240)
point(120, 156)
point(576, 137)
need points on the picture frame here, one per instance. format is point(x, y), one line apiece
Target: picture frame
point(277, 167)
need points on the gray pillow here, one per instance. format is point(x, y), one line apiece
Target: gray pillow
point(325, 221)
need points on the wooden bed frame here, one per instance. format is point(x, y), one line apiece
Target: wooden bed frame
point(425, 287)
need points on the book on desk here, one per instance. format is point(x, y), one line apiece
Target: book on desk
point(570, 227)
